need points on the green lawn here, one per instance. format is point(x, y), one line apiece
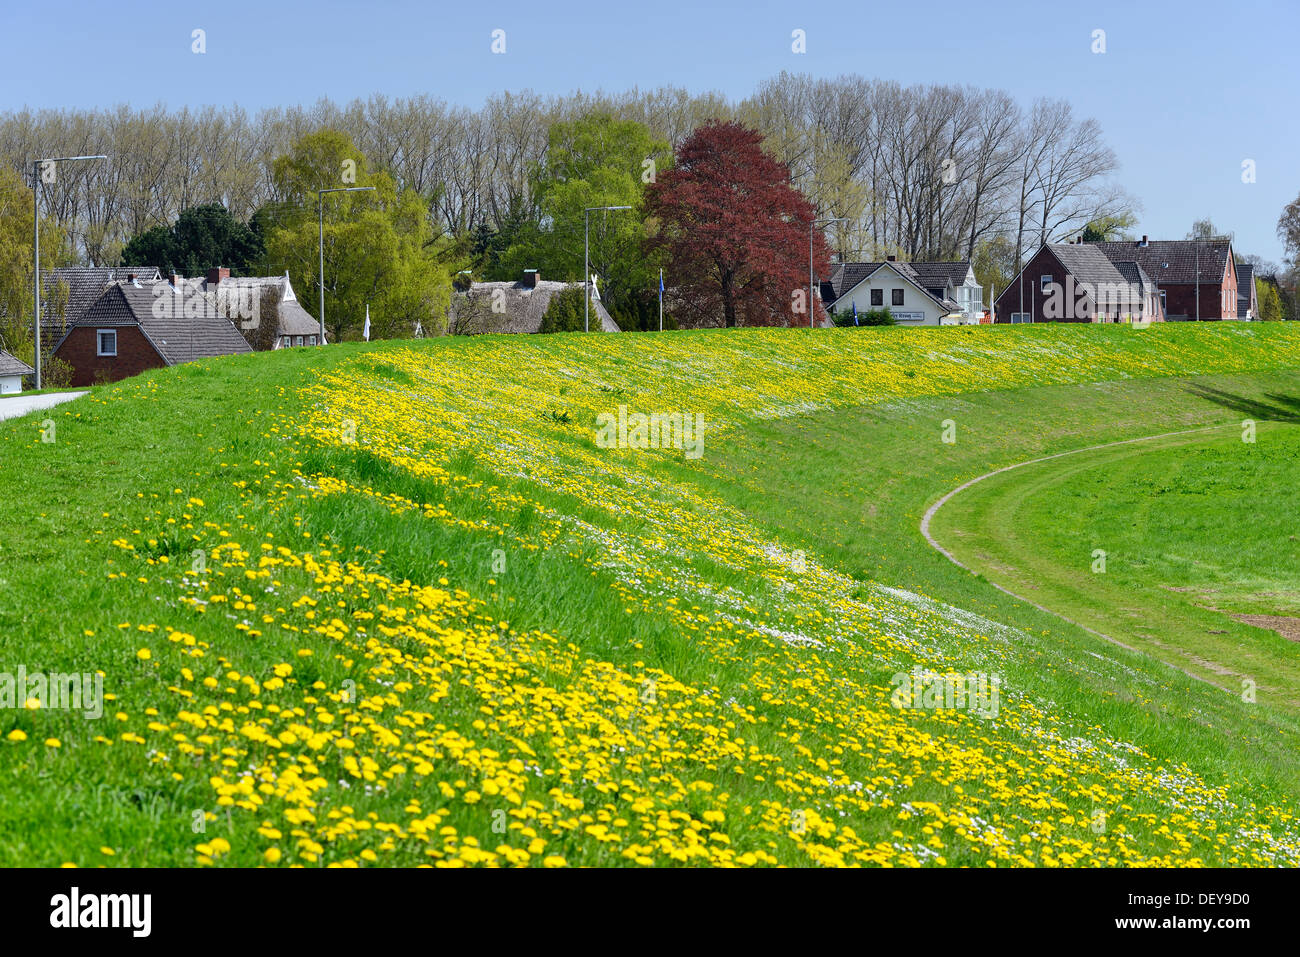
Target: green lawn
point(1196, 529)
point(390, 603)
point(865, 477)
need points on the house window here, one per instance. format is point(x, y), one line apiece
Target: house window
point(897, 297)
point(297, 340)
point(311, 340)
point(1021, 317)
point(106, 342)
point(1044, 282)
point(1162, 300)
point(877, 297)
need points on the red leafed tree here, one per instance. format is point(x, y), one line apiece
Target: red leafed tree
point(735, 232)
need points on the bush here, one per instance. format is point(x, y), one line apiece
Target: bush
point(564, 312)
point(56, 373)
point(872, 317)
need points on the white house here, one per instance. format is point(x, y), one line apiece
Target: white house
point(11, 373)
point(916, 294)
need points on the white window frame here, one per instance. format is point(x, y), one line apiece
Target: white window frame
point(99, 343)
point(1017, 317)
point(1044, 282)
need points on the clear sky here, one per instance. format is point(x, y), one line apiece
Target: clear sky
point(1185, 92)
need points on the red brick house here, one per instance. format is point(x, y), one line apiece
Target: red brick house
point(1197, 277)
point(1069, 282)
point(135, 326)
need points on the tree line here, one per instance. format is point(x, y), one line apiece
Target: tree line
point(921, 172)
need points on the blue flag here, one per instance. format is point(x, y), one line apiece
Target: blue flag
point(855, 313)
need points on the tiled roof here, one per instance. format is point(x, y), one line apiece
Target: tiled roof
point(9, 365)
point(181, 325)
point(1173, 260)
point(1086, 262)
point(472, 314)
point(926, 275)
point(85, 285)
point(942, 274)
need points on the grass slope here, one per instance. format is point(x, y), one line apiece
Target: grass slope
point(1193, 528)
point(391, 604)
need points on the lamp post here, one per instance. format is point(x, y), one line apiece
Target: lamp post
point(36, 242)
point(586, 262)
point(320, 218)
point(812, 303)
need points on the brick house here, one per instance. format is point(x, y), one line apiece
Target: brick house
point(136, 326)
point(1197, 278)
point(1071, 282)
point(68, 291)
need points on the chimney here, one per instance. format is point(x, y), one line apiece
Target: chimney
point(891, 259)
point(175, 279)
point(532, 277)
point(217, 274)
point(1144, 241)
point(130, 277)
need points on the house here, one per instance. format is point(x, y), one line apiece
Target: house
point(265, 308)
point(918, 294)
point(485, 307)
point(1074, 282)
point(12, 371)
point(1197, 277)
point(134, 326)
point(1247, 300)
point(67, 291)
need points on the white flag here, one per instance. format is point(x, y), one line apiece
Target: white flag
point(365, 333)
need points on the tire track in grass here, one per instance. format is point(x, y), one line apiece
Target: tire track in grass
point(934, 509)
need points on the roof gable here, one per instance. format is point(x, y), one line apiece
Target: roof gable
point(180, 325)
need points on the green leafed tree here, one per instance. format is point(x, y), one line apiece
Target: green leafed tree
point(1106, 229)
point(594, 161)
point(16, 262)
point(202, 238)
point(380, 248)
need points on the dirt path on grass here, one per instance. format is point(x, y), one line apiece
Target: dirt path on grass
point(933, 510)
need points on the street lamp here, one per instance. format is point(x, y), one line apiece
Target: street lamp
point(36, 241)
point(812, 303)
point(586, 263)
point(320, 217)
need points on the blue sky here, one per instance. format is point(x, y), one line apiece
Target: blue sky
point(1185, 92)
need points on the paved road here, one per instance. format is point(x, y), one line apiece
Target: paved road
point(13, 406)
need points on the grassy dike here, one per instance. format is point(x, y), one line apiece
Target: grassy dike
point(433, 624)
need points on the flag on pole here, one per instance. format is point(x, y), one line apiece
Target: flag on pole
point(855, 312)
point(661, 300)
point(365, 333)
